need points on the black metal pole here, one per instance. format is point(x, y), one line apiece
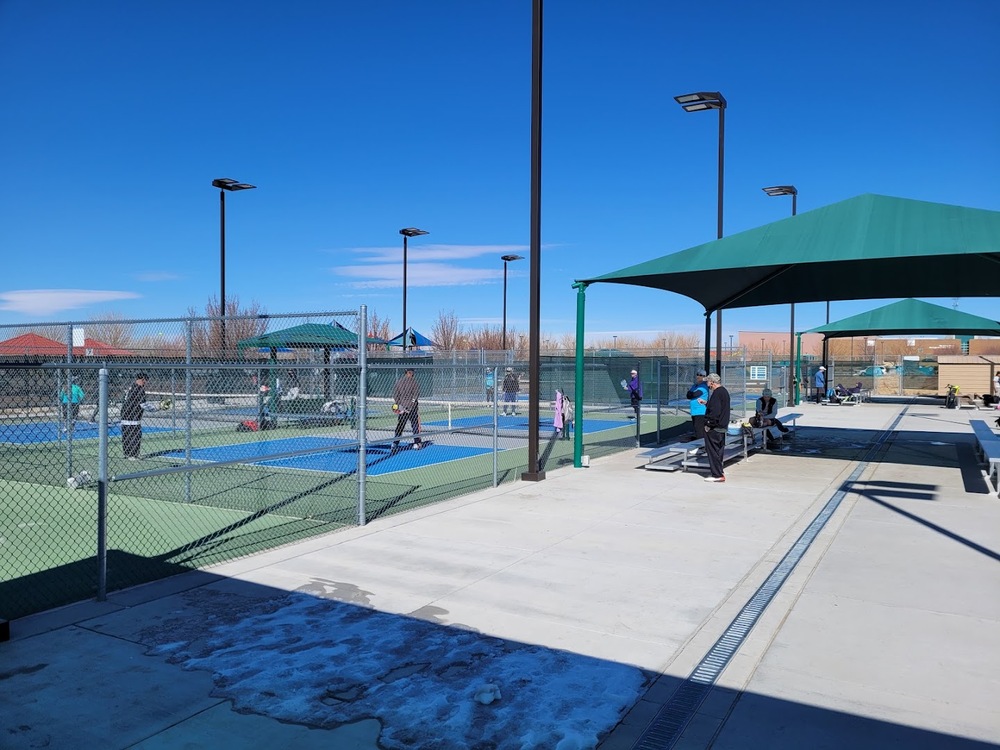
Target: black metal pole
point(404, 293)
point(222, 269)
point(722, 169)
point(504, 335)
point(791, 336)
point(534, 474)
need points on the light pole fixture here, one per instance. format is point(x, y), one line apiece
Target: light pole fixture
point(699, 102)
point(774, 191)
point(614, 339)
point(225, 185)
point(506, 259)
point(407, 233)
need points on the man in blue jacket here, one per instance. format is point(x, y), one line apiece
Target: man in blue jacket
point(698, 395)
point(820, 383)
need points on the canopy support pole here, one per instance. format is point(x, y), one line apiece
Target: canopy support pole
point(708, 340)
point(581, 299)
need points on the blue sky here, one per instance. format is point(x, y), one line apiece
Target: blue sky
point(357, 119)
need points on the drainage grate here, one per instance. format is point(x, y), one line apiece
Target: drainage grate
point(669, 723)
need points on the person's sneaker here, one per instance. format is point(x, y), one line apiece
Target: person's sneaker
point(715, 479)
point(418, 446)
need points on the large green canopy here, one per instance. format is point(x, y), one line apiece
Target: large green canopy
point(910, 316)
point(868, 247)
point(306, 336)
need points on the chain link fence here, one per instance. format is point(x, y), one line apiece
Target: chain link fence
point(249, 433)
point(177, 445)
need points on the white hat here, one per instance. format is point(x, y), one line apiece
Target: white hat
point(635, 372)
point(510, 369)
point(821, 367)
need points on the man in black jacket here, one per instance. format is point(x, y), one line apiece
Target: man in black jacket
point(131, 417)
point(716, 425)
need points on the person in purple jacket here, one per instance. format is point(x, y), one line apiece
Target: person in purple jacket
point(634, 388)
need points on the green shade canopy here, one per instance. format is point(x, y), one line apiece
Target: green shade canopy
point(307, 336)
point(910, 316)
point(868, 247)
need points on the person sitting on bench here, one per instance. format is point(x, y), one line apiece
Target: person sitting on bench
point(767, 416)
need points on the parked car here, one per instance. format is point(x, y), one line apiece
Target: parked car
point(872, 372)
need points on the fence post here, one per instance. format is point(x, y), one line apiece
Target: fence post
point(496, 426)
point(102, 485)
point(361, 414)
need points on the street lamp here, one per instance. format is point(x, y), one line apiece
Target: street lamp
point(699, 102)
point(773, 191)
point(615, 340)
point(506, 259)
point(407, 233)
point(225, 185)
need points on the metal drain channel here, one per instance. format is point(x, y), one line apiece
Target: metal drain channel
point(671, 720)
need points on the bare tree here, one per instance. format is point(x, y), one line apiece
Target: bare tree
point(379, 327)
point(446, 331)
point(674, 340)
point(487, 337)
point(206, 335)
point(109, 329)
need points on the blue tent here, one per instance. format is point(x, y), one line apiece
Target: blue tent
point(413, 339)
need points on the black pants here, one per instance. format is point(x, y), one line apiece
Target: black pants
point(131, 440)
point(414, 419)
point(635, 406)
point(698, 422)
point(715, 445)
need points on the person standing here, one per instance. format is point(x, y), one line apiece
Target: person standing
point(71, 400)
point(717, 416)
point(405, 398)
point(557, 419)
point(698, 395)
point(131, 417)
point(819, 381)
point(510, 387)
point(634, 388)
point(491, 381)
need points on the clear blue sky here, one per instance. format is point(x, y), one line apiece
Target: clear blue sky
point(357, 119)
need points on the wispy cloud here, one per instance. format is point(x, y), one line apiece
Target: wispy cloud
point(158, 276)
point(427, 265)
point(428, 251)
point(48, 301)
point(385, 275)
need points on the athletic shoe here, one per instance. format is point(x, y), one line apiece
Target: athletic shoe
point(418, 446)
point(715, 479)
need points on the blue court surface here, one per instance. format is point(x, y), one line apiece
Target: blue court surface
point(379, 459)
point(50, 432)
point(520, 422)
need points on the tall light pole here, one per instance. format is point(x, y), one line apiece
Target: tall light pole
point(614, 339)
point(506, 259)
point(407, 233)
point(773, 191)
point(699, 102)
point(225, 185)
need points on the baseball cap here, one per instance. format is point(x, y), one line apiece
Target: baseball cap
point(702, 373)
point(510, 369)
point(141, 376)
point(635, 372)
point(821, 367)
point(766, 392)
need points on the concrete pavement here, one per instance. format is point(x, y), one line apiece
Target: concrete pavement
point(886, 633)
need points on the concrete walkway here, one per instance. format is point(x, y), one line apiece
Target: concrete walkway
point(885, 634)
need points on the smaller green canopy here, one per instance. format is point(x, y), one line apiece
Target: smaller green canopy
point(307, 336)
point(910, 316)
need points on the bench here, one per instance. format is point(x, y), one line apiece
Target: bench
point(669, 457)
point(737, 445)
point(987, 450)
point(787, 420)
